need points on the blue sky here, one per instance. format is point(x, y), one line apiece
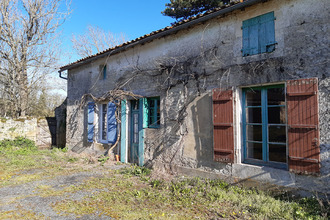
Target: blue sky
point(131, 17)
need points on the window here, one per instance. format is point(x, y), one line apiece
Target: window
point(103, 71)
point(280, 126)
point(265, 126)
point(259, 34)
point(108, 123)
point(103, 122)
point(153, 112)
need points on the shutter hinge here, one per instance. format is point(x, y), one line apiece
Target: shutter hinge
point(303, 159)
point(315, 142)
point(303, 127)
point(301, 93)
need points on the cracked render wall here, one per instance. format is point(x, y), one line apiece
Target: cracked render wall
point(183, 68)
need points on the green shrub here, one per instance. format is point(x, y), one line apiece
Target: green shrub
point(20, 143)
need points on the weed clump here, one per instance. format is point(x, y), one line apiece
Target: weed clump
point(18, 143)
point(136, 171)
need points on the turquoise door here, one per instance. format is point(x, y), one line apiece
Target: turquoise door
point(134, 133)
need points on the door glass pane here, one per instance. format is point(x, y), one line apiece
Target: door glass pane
point(276, 96)
point(277, 134)
point(151, 116)
point(254, 132)
point(254, 150)
point(253, 97)
point(136, 128)
point(135, 104)
point(253, 115)
point(136, 118)
point(151, 103)
point(158, 112)
point(276, 115)
point(277, 153)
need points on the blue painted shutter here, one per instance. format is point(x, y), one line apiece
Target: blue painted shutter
point(123, 132)
point(145, 108)
point(259, 34)
point(267, 33)
point(250, 36)
point(246, 47)
point(254, 35)
point(112, 123)
point(142, 124)
point(90, 122)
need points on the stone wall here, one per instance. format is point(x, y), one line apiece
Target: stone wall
point(183, 68)
point(39, 130)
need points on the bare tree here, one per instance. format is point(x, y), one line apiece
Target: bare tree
point(44, 102)
point(28, 34)
point(95, 40)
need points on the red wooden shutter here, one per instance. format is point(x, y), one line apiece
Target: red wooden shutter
point(223, 134)
point(303, 124)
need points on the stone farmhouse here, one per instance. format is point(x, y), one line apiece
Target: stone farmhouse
point(238, 92)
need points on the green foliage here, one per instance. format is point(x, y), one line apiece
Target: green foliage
point(21, 161)
point(103, 159)
point(64, 149)
point(186, 8)
point(137, 171)
point(18, 143)
point(121, 195)
point(72, 159)
point(156, 183)
point(131, 198)
point(313, 206)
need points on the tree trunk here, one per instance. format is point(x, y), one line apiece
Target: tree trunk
point(24, 93)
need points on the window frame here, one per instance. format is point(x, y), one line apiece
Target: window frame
point(156, 123)
point(103, 72)
point(265, 128)
point(103, 122)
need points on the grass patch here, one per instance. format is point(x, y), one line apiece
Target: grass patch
point(21, 213)
point(131, 193)
point(20, 159)
point(128, 196)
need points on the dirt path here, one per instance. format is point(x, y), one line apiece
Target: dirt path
point(35, 200)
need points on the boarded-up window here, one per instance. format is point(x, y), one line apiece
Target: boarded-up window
point(223, 134)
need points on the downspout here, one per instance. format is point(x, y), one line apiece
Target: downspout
point(60, 74)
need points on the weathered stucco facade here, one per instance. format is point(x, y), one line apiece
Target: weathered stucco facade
point(182, 68)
